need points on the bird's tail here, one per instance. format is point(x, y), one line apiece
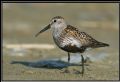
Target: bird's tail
point(100, 44)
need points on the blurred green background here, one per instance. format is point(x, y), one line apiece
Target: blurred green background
point(21, 21)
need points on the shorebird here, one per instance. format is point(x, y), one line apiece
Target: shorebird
point(70, 39)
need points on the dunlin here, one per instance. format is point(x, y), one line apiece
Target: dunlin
point(70, 39)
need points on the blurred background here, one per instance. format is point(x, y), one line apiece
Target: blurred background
point(21, 21)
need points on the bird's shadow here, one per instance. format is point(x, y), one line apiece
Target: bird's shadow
point(49, 64)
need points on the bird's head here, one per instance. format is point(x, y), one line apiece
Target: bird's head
point(55, 23)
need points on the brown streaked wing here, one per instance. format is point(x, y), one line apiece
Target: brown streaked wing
point(84, 38)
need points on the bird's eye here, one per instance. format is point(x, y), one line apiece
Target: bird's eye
point(54, 21)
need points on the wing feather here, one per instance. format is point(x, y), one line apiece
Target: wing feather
point(84, 38)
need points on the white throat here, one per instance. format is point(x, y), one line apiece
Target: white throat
point(57, 29)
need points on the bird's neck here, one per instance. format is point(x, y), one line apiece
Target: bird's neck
point(58, 29)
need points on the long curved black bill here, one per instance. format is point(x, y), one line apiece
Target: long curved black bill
point(44, 29)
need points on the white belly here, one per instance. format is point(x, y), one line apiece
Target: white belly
point(70, 41)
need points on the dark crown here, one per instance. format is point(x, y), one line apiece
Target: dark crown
point(57, 17)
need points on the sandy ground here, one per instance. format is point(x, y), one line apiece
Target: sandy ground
point(21, 68)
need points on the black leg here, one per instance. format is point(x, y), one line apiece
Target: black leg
point(82, 65)
point(68, 57)
point(67, 70)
